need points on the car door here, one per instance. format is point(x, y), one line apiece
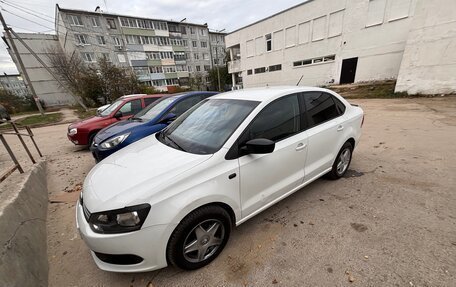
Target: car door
point(325, 125)
point(266, 177)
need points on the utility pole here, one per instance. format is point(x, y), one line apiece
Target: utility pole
point(218, 72)
point(8, 31)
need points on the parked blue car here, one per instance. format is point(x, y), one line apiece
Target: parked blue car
point(150, 120)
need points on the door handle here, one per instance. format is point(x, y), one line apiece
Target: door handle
point(301, 146)
point(340, 128)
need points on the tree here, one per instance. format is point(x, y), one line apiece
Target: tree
point(95, 83)
point(197, 82)
point(225, 78)
point(15, 104)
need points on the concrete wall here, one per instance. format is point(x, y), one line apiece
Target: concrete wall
point(429, 62)
point(375, 31)
point(46, 87)
point(23, 210)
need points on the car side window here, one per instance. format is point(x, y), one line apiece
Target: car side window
point(131, 107)
point(320, 107)
point(279, 120)
point(182, 106)
point(148, 101)
point(340, 106)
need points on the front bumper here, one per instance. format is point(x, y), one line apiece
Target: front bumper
point(149, 243)
point(79, 138)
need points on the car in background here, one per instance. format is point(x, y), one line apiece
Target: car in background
point(83, 132)
point(174, 197)
point(4, 114)
point(148, 121)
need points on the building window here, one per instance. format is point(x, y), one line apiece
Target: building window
point(81, 39)
point(268, 43)
point(181, 68)
point(275, 68)
point(190, 69)
point(180, 56)
point(75, 20)
point(249, 72)
point(207, 68)
point(101, 40)
point(202, 32)
point(183, 30)
point(106, 56)
point(95, 22)
point(203, 44)
point(88, 57)
point(117, 41)
point(166, 55)
point(155, 70)
point(192, 30)
point(306, 62)
point(205, 56)
point(153, 55)
point(169, 69)
point(111, 23)
point(196, 56)
point(194, 44)
point(260, 70)
point(198, 68)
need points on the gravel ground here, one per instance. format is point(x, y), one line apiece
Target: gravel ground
point(390, 222)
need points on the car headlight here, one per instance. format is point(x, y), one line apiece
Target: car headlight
point(73, 131)
point(114, 141)
point(123, 220)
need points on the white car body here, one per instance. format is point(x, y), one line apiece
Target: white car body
point(175, 183)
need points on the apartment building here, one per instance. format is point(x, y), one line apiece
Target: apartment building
point(162, 53)
point(14, 83)
point(331, 42)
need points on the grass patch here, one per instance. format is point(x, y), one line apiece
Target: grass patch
point(40, 120)
point(375, 90)
point(82, 114)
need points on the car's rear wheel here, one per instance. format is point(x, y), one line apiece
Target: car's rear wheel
point(199, 238)
point(342, 161)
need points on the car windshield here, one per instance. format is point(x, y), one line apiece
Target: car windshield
point(155, 108)
point(207, 126)
point(111, 108)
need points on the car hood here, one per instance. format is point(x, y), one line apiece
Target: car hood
point(116, 128)
point(91, 120)
point(136, 173)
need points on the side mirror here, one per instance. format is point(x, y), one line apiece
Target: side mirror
point(168, 118)
point(259, 146)
point(118, 115)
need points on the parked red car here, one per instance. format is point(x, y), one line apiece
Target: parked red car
point(83, 132)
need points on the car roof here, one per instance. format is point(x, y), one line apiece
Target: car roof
point(265, 93)
point(138, 96)
point(192, 93)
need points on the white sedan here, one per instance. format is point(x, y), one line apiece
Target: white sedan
point(173, 197)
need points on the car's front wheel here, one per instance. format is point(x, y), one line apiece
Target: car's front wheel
point(199, 238)
point(342, 161)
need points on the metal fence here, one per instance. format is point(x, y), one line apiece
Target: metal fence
point(15, 132)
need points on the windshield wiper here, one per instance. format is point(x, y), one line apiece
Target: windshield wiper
point(136, 119)
point(171, 140)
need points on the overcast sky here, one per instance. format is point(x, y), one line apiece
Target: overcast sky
point(228, 15)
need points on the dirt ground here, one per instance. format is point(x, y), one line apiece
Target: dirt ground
point(390, 222)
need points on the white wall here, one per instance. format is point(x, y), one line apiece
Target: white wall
point(375, 31)
point(46, 87)
point(429, 62)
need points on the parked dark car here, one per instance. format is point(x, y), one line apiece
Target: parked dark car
point(83, 132)
point(4, 114)
point(148, 121)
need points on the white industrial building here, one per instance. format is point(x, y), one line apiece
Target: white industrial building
point(327, 41)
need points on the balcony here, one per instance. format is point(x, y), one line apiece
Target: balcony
point(234, 66)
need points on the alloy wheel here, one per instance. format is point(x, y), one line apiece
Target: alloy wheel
point(204, 240)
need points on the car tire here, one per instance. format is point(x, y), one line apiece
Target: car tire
point(342, 162)
point(199, 238)
point(91, 138)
